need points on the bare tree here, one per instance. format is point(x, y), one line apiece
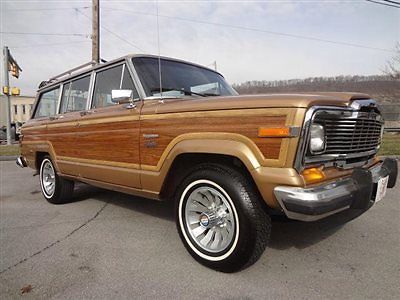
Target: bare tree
point(393, 66)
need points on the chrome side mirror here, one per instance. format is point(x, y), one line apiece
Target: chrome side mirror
point(122, 96)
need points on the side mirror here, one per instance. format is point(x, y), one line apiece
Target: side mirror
point(122, 96)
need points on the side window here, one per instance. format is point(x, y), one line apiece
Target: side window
point(47, 104)
point(75, 95)
point(111, 79)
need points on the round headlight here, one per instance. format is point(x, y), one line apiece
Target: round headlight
point(317, 138)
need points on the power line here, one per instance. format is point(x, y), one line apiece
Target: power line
point(46, 9)
point(47, 45)
point(381, 3)
point(111, 32)
point(394, 2)
point(45, 33)
point(256, 30)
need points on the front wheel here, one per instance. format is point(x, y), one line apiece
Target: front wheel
point(219, 218)
point(55, 189)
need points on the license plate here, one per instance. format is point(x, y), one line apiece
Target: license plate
point(381, 188)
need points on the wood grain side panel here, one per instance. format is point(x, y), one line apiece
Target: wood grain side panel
point(116, 142)
point(170, 128)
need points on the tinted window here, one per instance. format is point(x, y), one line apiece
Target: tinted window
point(75, 95)
point(109, 80)
point(47, 104)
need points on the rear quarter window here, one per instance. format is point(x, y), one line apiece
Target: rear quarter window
point(47, 104)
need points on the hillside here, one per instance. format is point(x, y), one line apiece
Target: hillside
point(382, 88)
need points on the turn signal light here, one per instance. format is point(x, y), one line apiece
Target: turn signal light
point(274, 132)
point(313, 175)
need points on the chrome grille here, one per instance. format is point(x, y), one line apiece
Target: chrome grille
point(353, 134)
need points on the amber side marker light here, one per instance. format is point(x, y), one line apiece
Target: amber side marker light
point(274, 132)
point(313, 175)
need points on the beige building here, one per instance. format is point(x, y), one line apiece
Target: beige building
point(21, 108)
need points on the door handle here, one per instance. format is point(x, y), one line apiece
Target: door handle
point(85, 112)
point(52, 118)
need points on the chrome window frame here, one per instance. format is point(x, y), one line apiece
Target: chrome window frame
point(39, 94)
point(354, 108)
point(125, 66)
point(71, 79)
point(135, 78)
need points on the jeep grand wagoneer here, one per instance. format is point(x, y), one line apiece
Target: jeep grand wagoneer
point(226, 160)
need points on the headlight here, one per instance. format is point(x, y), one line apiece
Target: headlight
point(317, 139)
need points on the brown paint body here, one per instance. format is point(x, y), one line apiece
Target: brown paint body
point(132, 150)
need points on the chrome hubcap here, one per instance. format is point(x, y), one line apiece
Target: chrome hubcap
point(209, 219)
point(48, 178)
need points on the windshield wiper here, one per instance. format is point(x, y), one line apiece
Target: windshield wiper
point(185, 92)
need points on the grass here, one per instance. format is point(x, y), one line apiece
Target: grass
point(9, 150)
point(390, 146)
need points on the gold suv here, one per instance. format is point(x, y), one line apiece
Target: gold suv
point(163, 129)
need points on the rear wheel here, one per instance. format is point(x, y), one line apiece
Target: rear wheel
point(55, 189)
point(219, 218)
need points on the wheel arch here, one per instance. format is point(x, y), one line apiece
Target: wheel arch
point(188, 154)
point(41, 150)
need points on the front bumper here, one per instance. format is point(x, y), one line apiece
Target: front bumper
point(357, 191)
point(21, 162)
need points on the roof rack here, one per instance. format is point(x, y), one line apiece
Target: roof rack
point(69, 72)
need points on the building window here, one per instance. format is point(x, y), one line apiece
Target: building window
point(15, 109)
point(23, 109)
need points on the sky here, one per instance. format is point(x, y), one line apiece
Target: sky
point(249, 40)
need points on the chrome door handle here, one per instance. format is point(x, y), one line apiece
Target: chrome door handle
point(85, 112)
point(52, 118)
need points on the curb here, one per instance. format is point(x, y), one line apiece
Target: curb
point(8, 158)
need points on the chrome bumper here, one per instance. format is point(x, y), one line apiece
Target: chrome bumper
point(21, 162)
point(357, 191)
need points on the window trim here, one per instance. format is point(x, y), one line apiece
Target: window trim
point(66, 82)
point(39, 96)
point(125, 66)
point(135, 78)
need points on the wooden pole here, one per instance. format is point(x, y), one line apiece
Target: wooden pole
point(7, 93)
point(95, 31)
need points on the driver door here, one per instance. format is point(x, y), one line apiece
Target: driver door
point(108, 133)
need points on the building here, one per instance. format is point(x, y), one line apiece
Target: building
point(21, 108)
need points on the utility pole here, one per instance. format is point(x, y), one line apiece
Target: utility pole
point(6, 91)
point(95, 31)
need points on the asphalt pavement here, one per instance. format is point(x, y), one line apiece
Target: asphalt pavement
point(107, 245)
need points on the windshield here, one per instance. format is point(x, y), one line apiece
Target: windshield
point(179, 79)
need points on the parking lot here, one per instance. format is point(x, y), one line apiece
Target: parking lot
point(111, 245)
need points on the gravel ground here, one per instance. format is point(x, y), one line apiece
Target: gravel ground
point(109, 245)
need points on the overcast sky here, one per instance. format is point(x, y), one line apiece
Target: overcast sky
point(240, 54)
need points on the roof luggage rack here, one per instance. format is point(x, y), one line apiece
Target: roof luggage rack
point(69, 72)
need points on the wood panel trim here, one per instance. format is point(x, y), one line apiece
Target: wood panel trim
point(218, 113)
point(98, 162)
point(284, 148)
point(214, 136)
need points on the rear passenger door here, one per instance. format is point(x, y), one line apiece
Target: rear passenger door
point(108, 134)
point(62, 128)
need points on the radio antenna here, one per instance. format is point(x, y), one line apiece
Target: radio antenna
point(159, 56)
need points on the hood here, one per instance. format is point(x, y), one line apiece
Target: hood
point(259, 101)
